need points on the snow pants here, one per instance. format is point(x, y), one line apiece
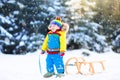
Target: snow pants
point(57, 60)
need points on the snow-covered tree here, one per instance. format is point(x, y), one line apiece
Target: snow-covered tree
point(83, 32)
point(24, 23)
point(107, 14)
point(77, 9)
point(115, 38)
point(87, 36)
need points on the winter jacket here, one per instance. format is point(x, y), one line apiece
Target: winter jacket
point(55, 40)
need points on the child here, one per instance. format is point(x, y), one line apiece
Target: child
point(55, 46)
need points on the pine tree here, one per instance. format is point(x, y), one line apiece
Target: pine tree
point(84, 33)
point(107, 14)
point(115, 38)
point(26, 21)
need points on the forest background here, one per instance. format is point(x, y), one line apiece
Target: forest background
point(94, 24)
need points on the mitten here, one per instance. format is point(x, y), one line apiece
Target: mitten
point(42, 52)
point(62, 54)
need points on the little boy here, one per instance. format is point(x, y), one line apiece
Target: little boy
point(55, 46)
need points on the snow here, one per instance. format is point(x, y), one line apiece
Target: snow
point(1, 4)
point(95, 26)
point(51, 9)
point(3, 31)
point(16, 12)
point(26, 67)
point(5, 19)
point(11, 1)
point(21, 5)
point(22, 43)
point(25, 37)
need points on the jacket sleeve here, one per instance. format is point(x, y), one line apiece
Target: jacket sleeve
point(45, 44)
point(63, 42)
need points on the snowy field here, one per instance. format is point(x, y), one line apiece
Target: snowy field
point(26, 67)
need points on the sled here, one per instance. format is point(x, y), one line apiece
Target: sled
point(80, 62)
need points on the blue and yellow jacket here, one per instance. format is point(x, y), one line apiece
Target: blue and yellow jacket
point(55, 40)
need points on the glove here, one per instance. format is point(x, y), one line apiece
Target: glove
point(42, 52)
point(62, 54)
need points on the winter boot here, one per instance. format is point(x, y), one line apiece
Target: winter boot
point(60, 75)
point(47, 75)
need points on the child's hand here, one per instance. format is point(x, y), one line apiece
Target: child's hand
point(62, 54)
point(42, 52)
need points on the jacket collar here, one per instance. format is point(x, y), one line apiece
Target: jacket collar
point(56, 32)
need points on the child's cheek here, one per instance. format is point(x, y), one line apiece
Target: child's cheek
point(56, 27)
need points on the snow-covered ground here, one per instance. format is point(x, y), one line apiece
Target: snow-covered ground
point(26, 67)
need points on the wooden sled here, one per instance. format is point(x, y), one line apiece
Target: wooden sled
point(80, 61)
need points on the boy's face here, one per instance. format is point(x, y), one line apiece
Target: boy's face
point(53, 27)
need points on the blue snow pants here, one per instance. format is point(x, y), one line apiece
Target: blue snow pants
point(57, 60)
